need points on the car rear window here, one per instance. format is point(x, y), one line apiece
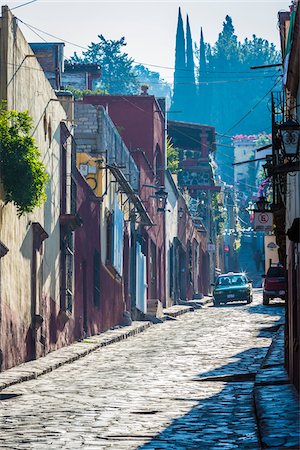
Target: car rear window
point(275, 272)
point(233, 280)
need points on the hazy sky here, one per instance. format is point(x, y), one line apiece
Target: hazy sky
point(149, 27)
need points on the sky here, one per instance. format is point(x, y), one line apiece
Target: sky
point(149, 27)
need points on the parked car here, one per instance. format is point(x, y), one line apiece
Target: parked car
point(274, 283)
point(232, 287)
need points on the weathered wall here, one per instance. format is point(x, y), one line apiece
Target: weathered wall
point(171, 232)
point(141, 126)
point(25, 87)
point(89, 135)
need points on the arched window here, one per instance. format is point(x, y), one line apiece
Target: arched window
point(158, 165)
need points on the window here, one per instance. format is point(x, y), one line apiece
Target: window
point(190, 259)
point(96, 278)
point(67, 271)
point(171, 271)
point(109, 237)
point(158, 165)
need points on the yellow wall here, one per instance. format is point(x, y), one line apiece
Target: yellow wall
point(91, 171)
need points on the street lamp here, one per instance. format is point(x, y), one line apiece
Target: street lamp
point(262, 204)
point(161, 198)
point(290, 138)
point(180, 212)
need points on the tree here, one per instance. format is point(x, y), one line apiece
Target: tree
point(172, 156)
point(179, 97)
point(232, 88)
point(191, 92)
point(117, 71)
point(23, 173)
point(157, 86)
point(232, 97)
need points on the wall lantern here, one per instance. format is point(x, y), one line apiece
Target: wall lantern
point(268, 166)
point(262, 204)
point(161, 198)
point(290, 138)
point(180, 212)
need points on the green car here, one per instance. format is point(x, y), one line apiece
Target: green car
point(232, 287)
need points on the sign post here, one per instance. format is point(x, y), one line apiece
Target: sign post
point(263, 221)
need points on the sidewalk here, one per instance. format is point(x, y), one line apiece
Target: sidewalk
point(65, 355)
point(276, 401)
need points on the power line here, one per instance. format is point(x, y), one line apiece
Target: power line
point(23, 4)
point(137, 62)
point(51, 35)
point(31, 27)
point(127, 79)
point(250, 110)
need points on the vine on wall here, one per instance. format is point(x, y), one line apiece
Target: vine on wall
point(23, 174)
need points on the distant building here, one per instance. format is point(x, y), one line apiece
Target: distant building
point(287, 218)
point(141, 124)
point(62, 73)
point(196, 143)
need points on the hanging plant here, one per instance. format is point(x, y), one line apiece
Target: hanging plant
point(23, 174)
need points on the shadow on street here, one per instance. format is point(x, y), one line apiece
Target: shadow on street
point(225, 420)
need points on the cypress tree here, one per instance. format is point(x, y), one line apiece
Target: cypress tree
point(202, 58)
point(203, 91)
point(180, 70)
point(190, 76)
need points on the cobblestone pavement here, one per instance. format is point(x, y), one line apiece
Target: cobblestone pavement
point(182, 384)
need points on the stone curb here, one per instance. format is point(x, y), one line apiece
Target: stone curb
point(65, 355)
point(276, 400)
point(177, 310)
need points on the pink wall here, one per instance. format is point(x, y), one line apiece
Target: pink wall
point(141, 126)
point(87, 240)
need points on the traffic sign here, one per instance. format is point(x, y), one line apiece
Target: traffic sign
point(263, 221)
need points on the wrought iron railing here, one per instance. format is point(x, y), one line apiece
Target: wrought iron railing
point(111, 143)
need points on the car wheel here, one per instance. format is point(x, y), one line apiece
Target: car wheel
point(265, 300)
point(216, 303)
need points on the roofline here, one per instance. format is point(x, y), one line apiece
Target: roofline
point(190, 124)
point(172, 182)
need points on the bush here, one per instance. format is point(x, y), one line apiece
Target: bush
point(23, 174)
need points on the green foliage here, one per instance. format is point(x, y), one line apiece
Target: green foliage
point(117, 74)
point(172, 156)
point(218, 212)
point(79, 93)
point(23, 174)
point(232, 86)
point(157, 86)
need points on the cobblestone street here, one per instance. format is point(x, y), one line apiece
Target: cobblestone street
point(160, 389)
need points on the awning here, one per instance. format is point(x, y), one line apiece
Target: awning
point(131, 194)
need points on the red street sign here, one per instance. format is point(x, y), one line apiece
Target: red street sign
point(263, 221)
point(263, 218)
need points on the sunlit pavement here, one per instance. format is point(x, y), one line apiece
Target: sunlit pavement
point(182, 384)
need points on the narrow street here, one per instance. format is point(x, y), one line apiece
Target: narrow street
point(146, 392)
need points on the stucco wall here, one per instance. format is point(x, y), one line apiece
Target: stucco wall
point(141, 126)
point(171, 231)
point(28, 89)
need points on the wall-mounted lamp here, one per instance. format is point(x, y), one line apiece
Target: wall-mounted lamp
point(262, 204)
point(180, 212)
point(290, 138)
point(161, 198)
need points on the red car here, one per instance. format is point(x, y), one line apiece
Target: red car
point(274, 283)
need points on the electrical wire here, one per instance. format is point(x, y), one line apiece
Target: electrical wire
point(37, 34)
point(31, 27)
point(23, 4)
point(142, 81)
point(209, 147)
point(136, 62)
